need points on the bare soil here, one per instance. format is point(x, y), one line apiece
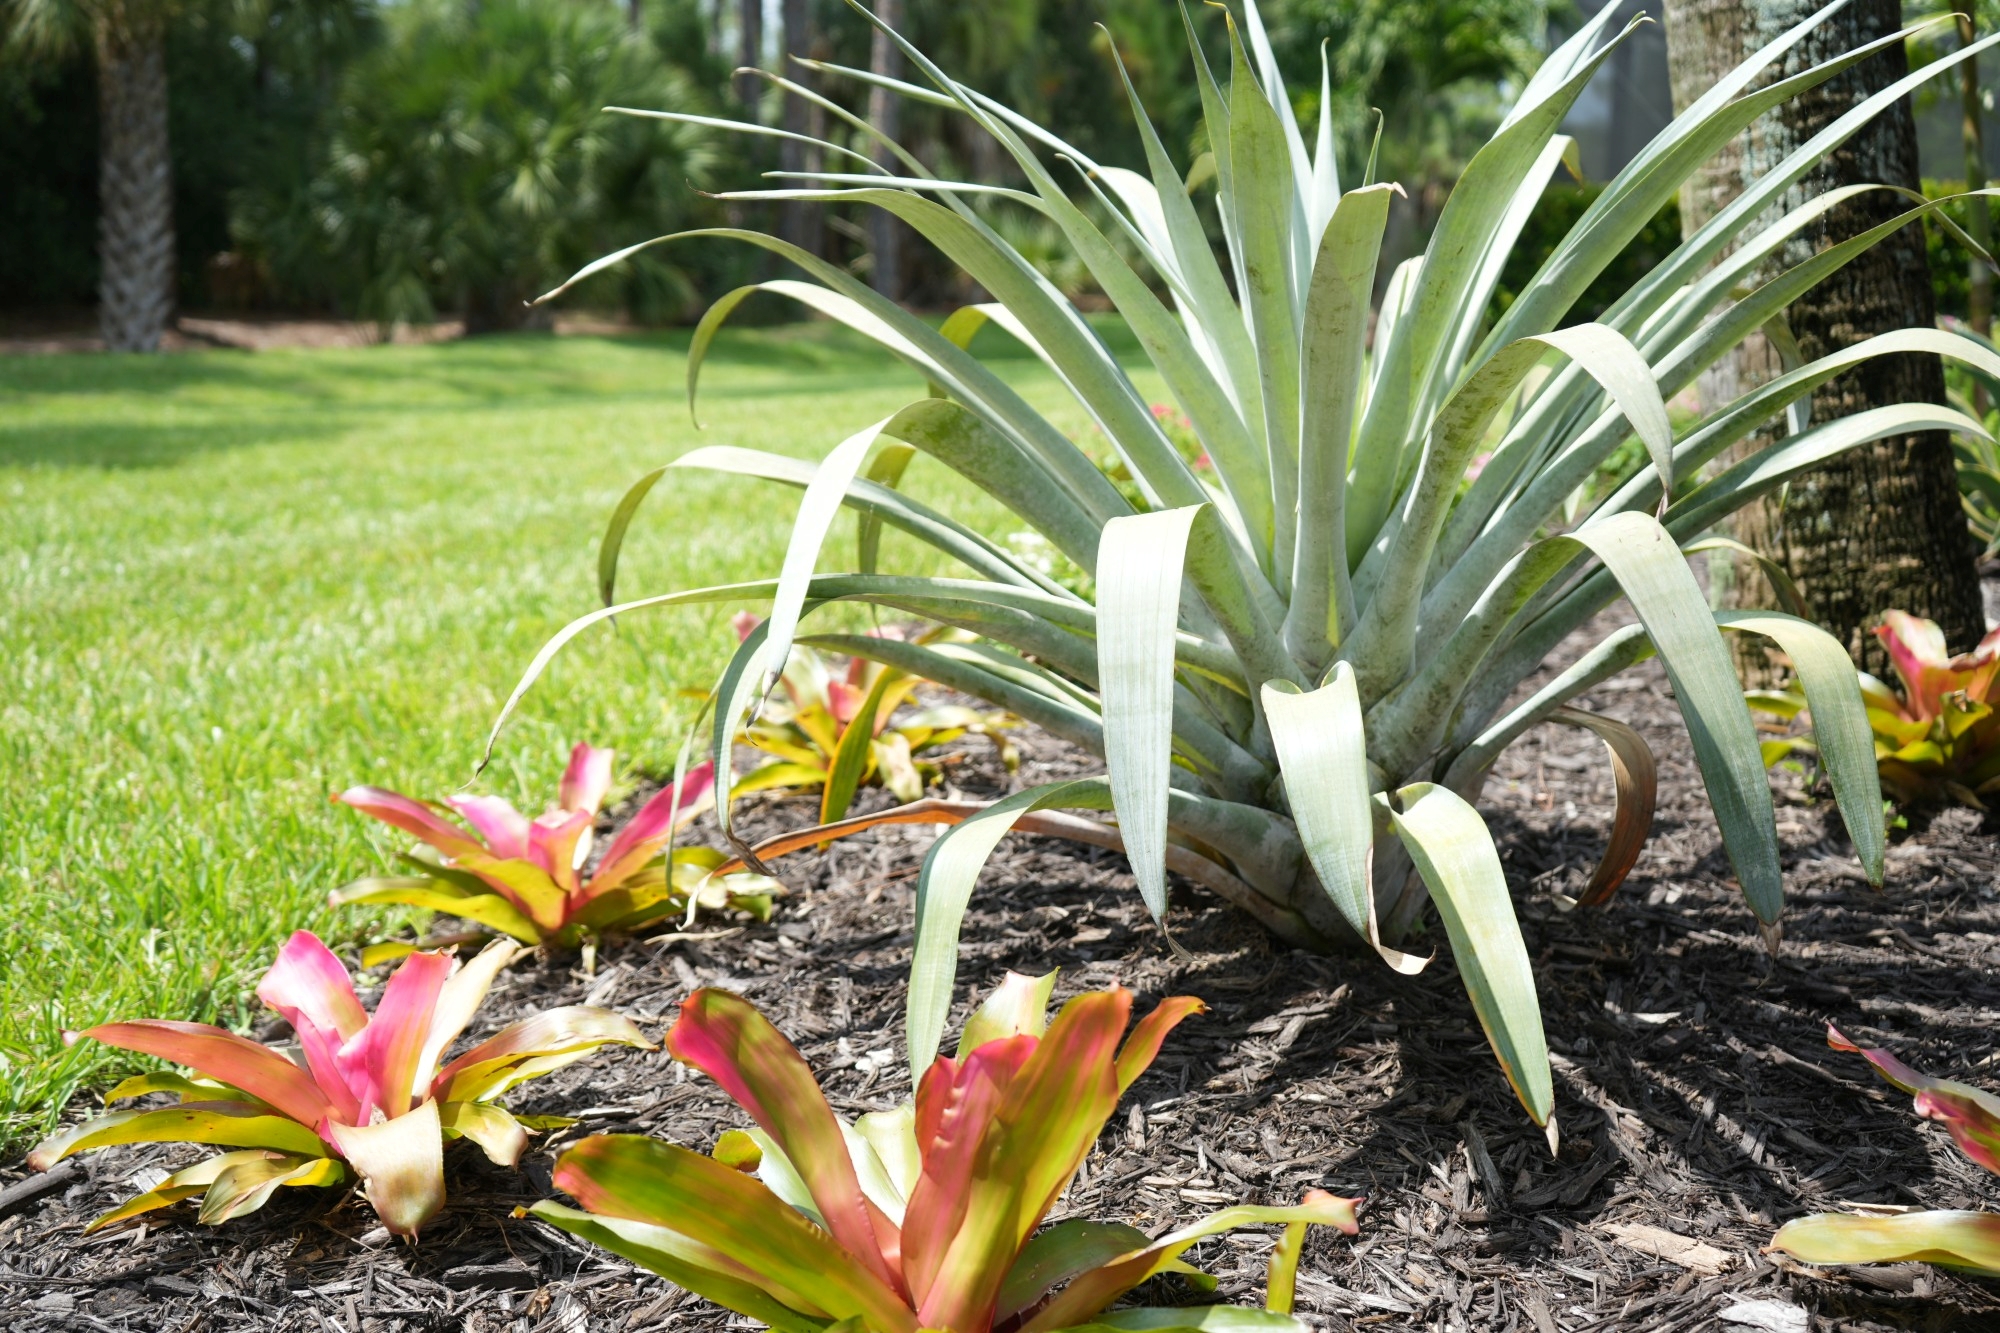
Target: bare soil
point(1697, 1099)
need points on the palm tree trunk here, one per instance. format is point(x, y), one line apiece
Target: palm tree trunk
point(1880, 526)
point(135, 181)
point(749, 54)
point(798, 223)
point(885, 234)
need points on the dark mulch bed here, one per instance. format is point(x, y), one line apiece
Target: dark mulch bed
point(1694, 1090)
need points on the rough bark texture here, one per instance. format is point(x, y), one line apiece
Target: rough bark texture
point(1879, 527)
point(885, 233)
point(135, 181)
point(798, 223)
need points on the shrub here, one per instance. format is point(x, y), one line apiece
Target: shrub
point(470, 162)
point(1939, 738)
point(1298, 668)
point(371, 1102)
point(836, 729)
point(919, 1218)
point(526, 878)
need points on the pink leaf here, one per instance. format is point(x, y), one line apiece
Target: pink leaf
point(648, 831)
point(956, 1106)
point(724, 1037)
point(504, 828)
point(1051, 1112)
point(381, 1061)
point(225, 1057)
point(1970, 1116)
point(413, 817)
point(310, 988)
point(552, 844)
point(586, 779)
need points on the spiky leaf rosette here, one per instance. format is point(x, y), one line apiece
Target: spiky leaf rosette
point(1296, 664)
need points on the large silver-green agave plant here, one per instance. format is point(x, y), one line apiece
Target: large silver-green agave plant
point(1298, 668)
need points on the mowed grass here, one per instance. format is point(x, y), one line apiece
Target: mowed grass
point(231, 585)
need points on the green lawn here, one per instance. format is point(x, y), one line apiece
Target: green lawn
point(232, 584)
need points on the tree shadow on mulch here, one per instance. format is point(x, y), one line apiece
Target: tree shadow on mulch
point(1697, 1100)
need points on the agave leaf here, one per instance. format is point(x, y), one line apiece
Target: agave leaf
point(897, 509)
point(724, 1037)
point(1212, 317)
point(1646, 564)
point(1336, 327)
point(1384, 646)
point(944, 887)
point(401, 1165)
point(1636, 778)
point(1840, 723)
point(1261, 200)
point(1455, 855)
point(228, 1124)
point(1963, 1240)
point(1620, 649)
point(1779, 577)
point(747, 1233)
point(1138, 590)
point(1085, 1297)
point(1322, 748)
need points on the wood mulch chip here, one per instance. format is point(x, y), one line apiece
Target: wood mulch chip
point(1699, 1105)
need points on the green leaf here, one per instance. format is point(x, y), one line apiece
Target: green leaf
point(1138, 595)
point(439, 895)
point(228, 1124)
point(248, 1182)
point(1454, 853)
point(850, 757)
point(1839, 720)
point(1322, 751)
point(1963, 1240)
point(1054, 1256)
point(944, 887)
point(1084, 1299)
point(684, 1261)
point(1261, 202)
point(1336, 329)
point(719, 1221)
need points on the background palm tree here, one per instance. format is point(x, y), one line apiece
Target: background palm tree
point(128, 40)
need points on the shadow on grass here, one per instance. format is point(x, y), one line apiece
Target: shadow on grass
point(227, 400)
